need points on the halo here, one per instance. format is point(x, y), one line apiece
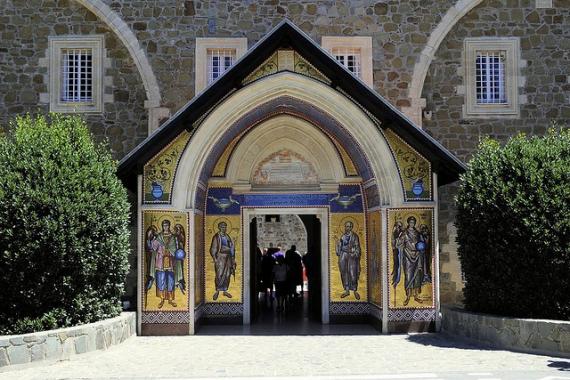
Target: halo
point(218, 221)
point(162, 219)
point(353, 220)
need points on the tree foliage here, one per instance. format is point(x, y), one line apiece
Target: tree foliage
point(64, 237)
point(513, 227)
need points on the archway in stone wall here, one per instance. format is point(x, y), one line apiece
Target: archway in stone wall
point(286, 147)
point(288, 130)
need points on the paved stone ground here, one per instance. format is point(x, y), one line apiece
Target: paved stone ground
point(419, 356)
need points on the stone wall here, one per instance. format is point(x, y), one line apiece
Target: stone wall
point(24, 29)
point(61, 344)
point(167, 29)
point(289, 231)
point(547, 337)
point(544, 94)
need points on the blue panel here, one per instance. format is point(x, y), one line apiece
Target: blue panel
point(286, 200)
point(349, 199)
point(221, 201)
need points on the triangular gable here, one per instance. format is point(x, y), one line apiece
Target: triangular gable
point(287, 36)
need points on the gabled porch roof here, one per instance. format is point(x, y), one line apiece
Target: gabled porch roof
point(287, 35)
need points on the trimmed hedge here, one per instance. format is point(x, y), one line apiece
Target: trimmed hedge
point(513, 227)
point(64, 237)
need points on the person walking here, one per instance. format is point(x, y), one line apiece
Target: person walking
point(280, 277)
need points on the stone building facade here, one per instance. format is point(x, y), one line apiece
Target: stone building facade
point(418, 64)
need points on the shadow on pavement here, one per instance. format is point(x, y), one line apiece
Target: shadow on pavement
point(446, 341)
point(560, 365)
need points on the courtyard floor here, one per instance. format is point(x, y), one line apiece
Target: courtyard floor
point(356, 356)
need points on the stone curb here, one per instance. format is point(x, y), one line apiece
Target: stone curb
point(535, 336)
point(61, 344)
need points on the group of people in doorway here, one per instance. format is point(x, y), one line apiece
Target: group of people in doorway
point(281, 273)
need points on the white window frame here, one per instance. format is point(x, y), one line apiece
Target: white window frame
point(361, 44)
point(203, 44)
point(510, 47)
point(222, 55)
point(57, 44)
point(343, 56)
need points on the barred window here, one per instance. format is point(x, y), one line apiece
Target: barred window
point(77, 75)
point(349, 58)
point(76, 71)
point(219, 60)
point(490, 77)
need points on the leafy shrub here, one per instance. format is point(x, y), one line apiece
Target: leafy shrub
point(64, 235)
point(513, 227)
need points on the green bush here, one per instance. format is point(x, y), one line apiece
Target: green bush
point(64, 237)
point(513, 227)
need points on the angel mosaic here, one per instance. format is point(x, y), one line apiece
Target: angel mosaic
point(165, 253)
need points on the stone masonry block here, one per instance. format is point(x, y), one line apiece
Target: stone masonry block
point(39, 352)
point(81, 344)
point(19, 354)
point(54, 348)
point(3, 358)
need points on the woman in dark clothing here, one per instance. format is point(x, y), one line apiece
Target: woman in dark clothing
point(295, 263)
point(280, 277)
point(267, 276)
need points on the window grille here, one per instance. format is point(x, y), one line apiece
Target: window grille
point(349, 58)
point(490, 77)
point(77, 75)
point(219, 60)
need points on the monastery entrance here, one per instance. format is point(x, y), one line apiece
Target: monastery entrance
point(278, 233)
point(288, 131)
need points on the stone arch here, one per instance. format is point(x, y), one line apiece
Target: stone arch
point(451, 18)
point(128, 38)
point(208, 135)
point(285, 132)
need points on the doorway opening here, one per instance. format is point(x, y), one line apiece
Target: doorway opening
point(285, 246)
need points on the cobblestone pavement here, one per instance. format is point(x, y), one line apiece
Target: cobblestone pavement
point(418, 356)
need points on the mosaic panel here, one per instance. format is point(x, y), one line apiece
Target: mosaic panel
point(223, 262)
point(348, 268)
point(223, 309)
point(166, 317)
point(222, 164)
point(199, 265)
point(374, 234)
point(159, 172)
point(410, 258)
point(165, 261)
point(415, 170)
point(349, 308)
point(412, 315)
point(349, 167)
point(286, 60)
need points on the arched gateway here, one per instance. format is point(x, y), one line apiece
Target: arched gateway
point(287, 130)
